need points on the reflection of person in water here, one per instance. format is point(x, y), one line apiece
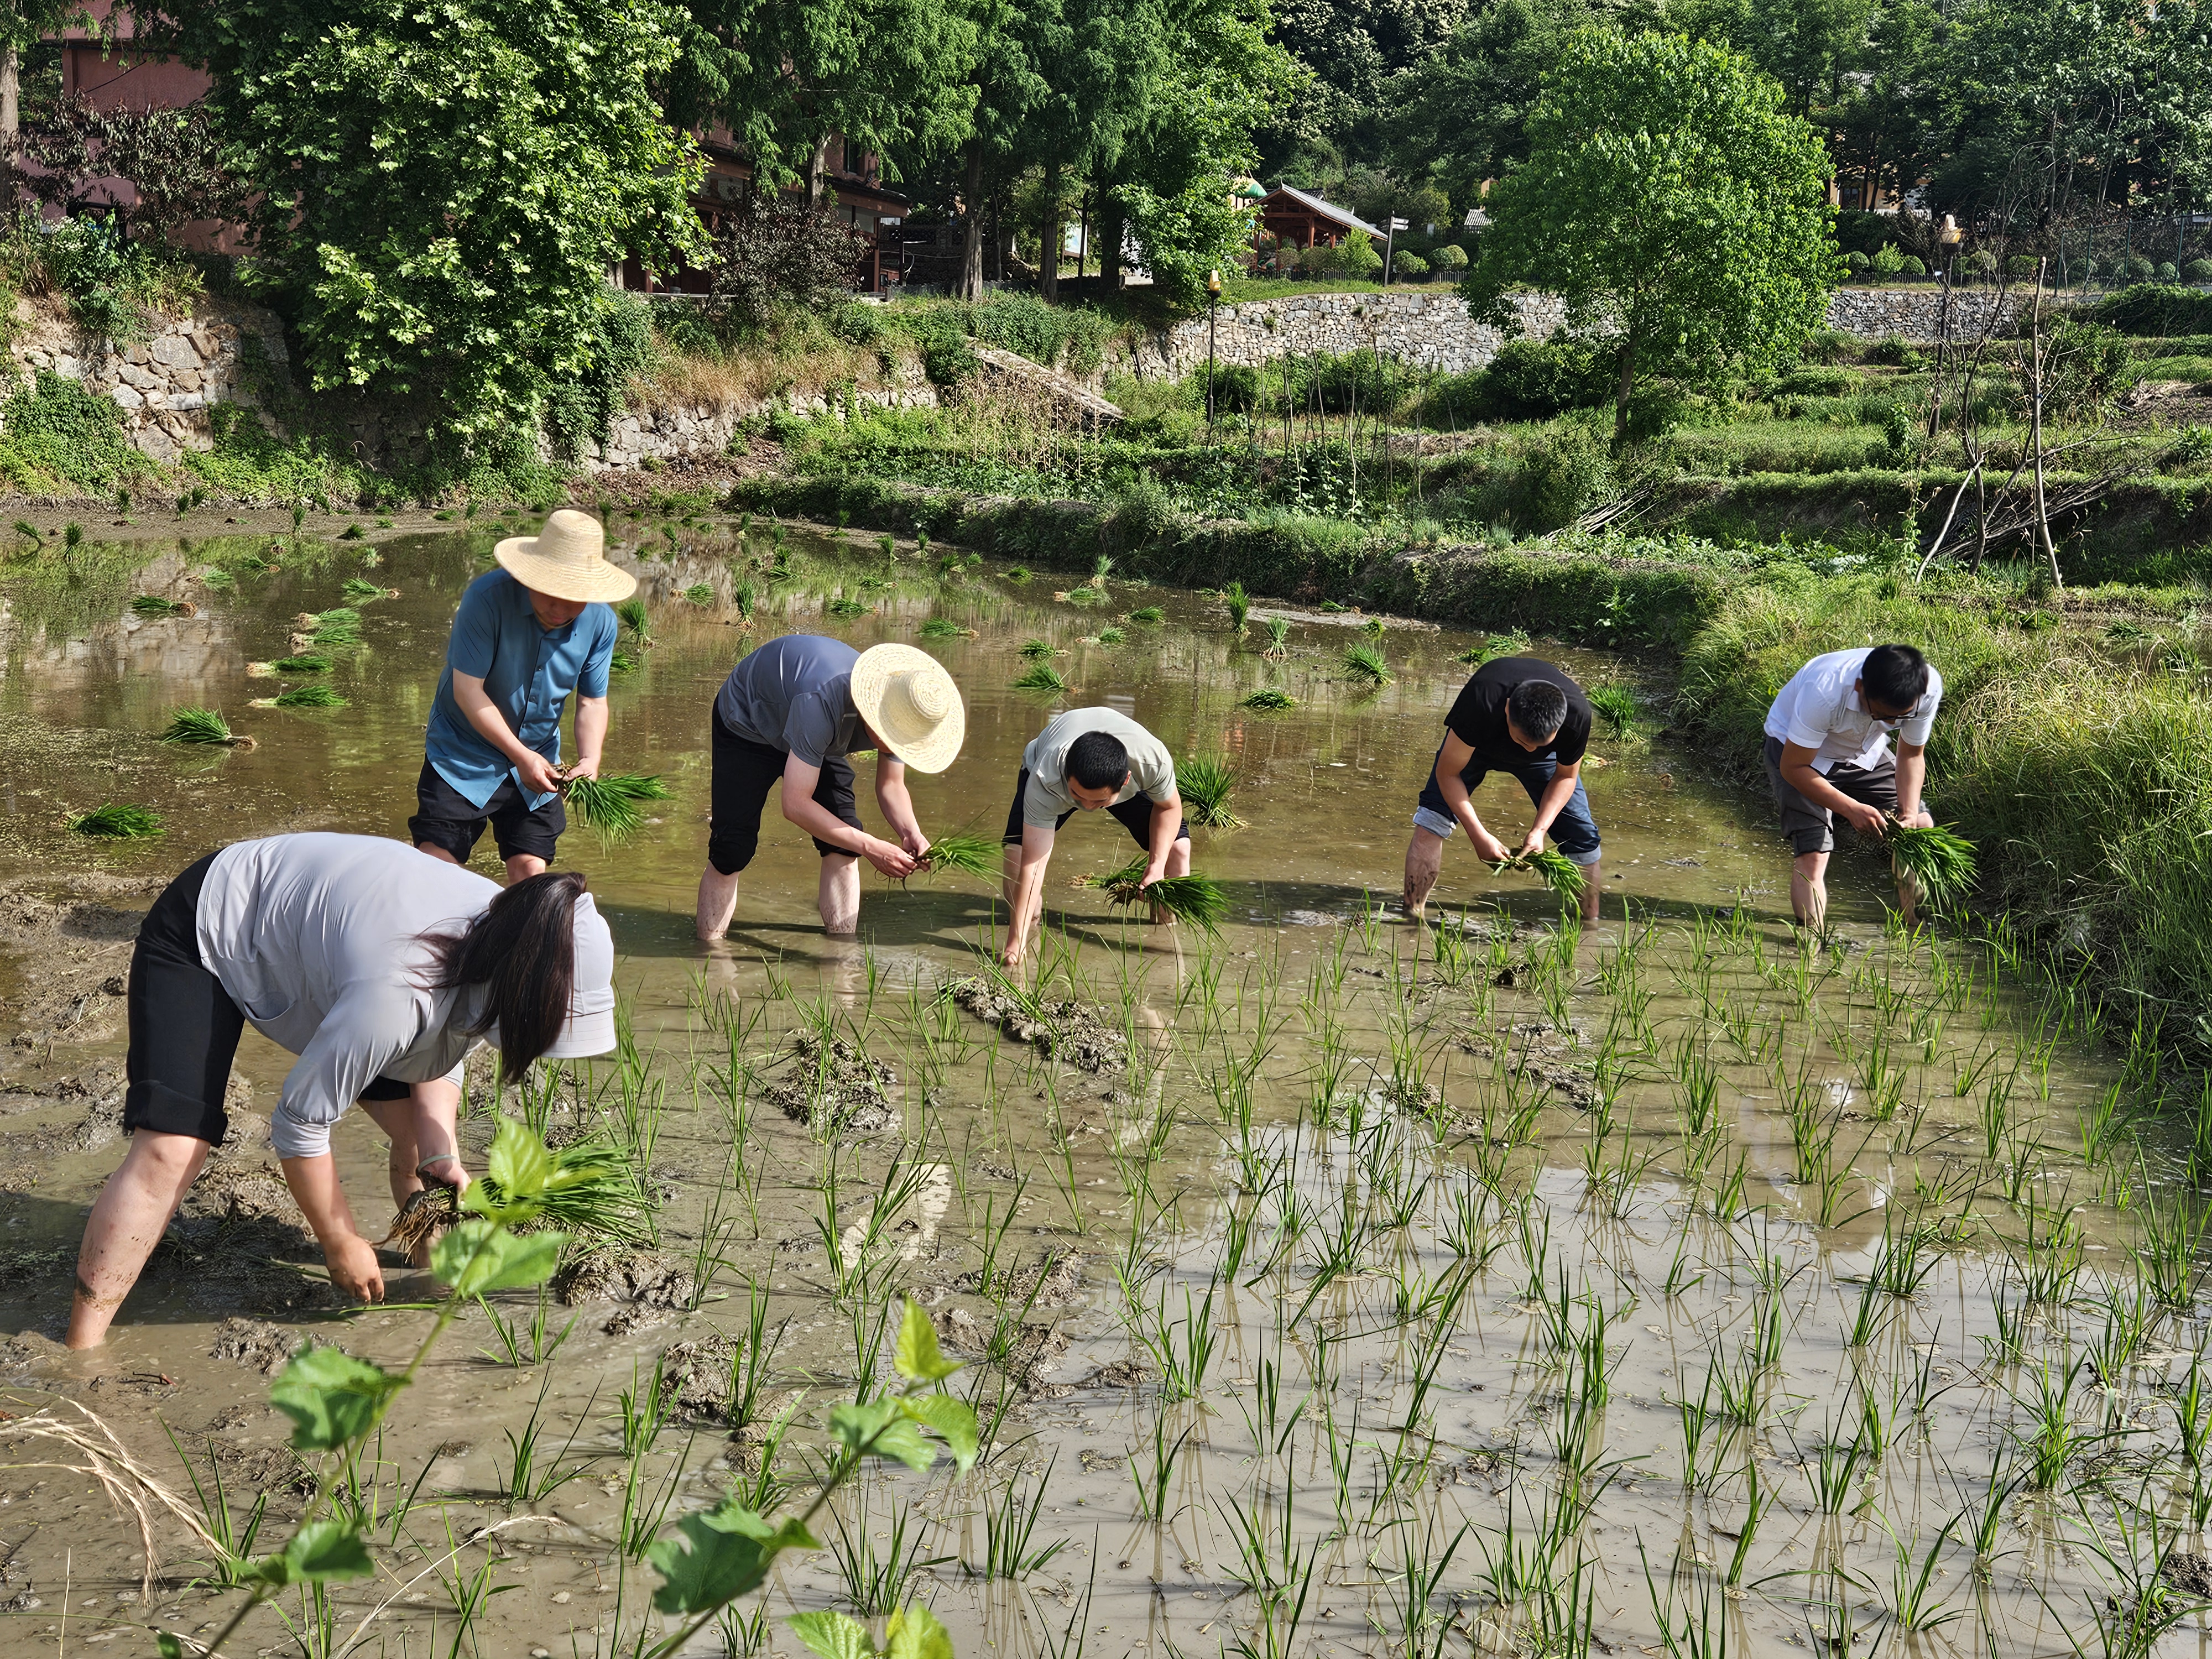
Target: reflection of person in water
point(382, 970)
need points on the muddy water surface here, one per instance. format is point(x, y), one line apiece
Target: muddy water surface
point(1337, 1283)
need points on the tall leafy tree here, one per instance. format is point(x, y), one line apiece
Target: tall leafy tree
point(1668, 198)
point(23, 24)
point(787, 75)
point(444, 182)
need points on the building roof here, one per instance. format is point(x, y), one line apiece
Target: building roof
point(1287, 196)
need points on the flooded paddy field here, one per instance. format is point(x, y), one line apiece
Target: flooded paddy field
point(1496, 1285)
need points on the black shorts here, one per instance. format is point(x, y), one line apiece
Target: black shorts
point(450, 821)
point(1134, 815)
point(745, 771)
point(184, 1026)
point(1810, 829)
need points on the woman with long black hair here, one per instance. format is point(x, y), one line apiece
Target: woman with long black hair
point(381, 969)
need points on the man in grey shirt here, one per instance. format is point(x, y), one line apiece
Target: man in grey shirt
point(793, 711)
point(1089, 760)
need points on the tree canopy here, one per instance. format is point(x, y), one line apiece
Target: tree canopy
point(1673, 203)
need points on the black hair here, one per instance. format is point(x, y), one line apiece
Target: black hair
point(1895, 676)
point(1537, 706)
point(522, 949)
point(1097, 760)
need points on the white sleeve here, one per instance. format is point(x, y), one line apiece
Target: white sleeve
point(1818, 700)
point(367, 1028)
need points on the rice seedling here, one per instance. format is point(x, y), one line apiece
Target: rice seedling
point(1617, 706)
point(1010, 1519)
point(358, 590)
point(1549, 865)
point(117, 822)
point(980, 856)
point(1238, 604)
point(610, 804)
point(1366, 663)
point(700, 593)
point(632, 615)
point(1151, 616)
point(1040, 677)
point(876, 1580)
point(1193, 898)
point(202, 725)
point(624, 662)
point(1268, 699)
point(1278, 637)
point(305, 697)
point(1037, 650)
point(154, 605)
point(1112, 637)
point(943, 628)
point(340, 626)
point(302, 666)
point(1937, 859)
point(1204, 782)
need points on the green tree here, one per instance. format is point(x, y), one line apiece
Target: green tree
point(1668, 198)
point(444, 182)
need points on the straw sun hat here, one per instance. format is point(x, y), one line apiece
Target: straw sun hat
point(567, 559)
point(911, 704)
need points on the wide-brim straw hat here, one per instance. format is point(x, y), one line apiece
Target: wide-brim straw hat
point(910, 702)
point(567, 559)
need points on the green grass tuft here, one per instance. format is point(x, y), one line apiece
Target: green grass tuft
point(117, 822)
point(609, 804)
point(1204, 782)
point(1617, 706)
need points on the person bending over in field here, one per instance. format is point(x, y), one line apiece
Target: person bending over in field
point(793, 710)
point(1828, 757)
point(1524, 717)
point(1086, 760)
point(382, 970)
point(525, 636)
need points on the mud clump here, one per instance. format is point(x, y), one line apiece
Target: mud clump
point(1075, 1032)
point(1020, 1351)
point(836, 1080)
point(1542, 1058)
point(1056, 1281)
point(255, 1344)
point(650, 1288)
point(696, 1378)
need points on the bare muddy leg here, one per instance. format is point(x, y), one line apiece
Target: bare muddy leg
point(127, 1221)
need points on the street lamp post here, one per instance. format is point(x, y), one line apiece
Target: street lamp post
point(1948, 239)
point(1212, 300)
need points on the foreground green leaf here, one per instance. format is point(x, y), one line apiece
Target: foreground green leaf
point(479, 1255)
point(331, 1397)
point(918, 1357)
point(833, 1635)
point(914, 1633)
point(952, 1421)
point(724, 1554)
point(320, 1553)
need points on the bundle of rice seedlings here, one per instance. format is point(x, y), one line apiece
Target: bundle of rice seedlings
point(1112, 637)
point(1511, 643)
point(968, 855)
point(117, 822)
point(632, 613)
point(1018, 573)
point(306, 696)
point(743, 596)
point(1101, 567)
point(202, 725)
point(701, 594)
point(1268, 698)
point(593, 1194)
point(1373, 628)
point(889, 546)
point(608, 803)
point(419, 1219)
point(1036, 650)
point(1204, 783)
point(1939, 860)
point(1151, 616)
point(1367, 663)
point(1239, 606)
point(1278, 637)
point(623, 662)
point(1040, 677)
point(154, 604)
point(338, 626)
point(1616, 706)
point(301, 665)
point(841, 606)
point(358, 592)
point(1552, 867)
point(943, 628)
point(1193, 898)
point(1083, 596)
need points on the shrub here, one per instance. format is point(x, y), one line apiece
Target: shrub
point(1895, 351)
point(1828, 345)
point(1235, 387)
point(1911, 265)
point(1356, 256)
point(1858, 265)
point(2197, 270)
point(1532, 380)
point(1411, 266)
point(2089, 366)
point(857, 324)
point(2156, 310)
point(1139, 511)
point(943, 344)
point(2021, 265)
point(2137, 269)
point(1888, 259)
point(1452, 257)
point(584, 405)
point(2168, 272)
point(58, 431)
point(777, 254)
point(1816, 382)
point(1552, 481)
point(1983, 263)
point(1062, 336)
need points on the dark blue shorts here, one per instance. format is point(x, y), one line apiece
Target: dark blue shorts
point(1134, 815)
point(1573, 832)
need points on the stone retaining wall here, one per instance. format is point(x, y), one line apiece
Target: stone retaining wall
point(1916, 313)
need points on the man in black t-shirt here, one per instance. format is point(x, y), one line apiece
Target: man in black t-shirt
point(1518, 715)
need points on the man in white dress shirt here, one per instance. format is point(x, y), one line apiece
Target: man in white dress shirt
point(1828, 757)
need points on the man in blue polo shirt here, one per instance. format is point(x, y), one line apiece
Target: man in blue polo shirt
point(524, 637)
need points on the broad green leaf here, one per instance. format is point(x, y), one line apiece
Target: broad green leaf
point(324, 1551)
point(729, 1550)
point(914, 1633)
point(168, 1646)
point(330, 1396)
point(833, 1635)
point(518, 1162)
point(952, 1421)
point(477, 1255)
point(883, 1429)
point(918, 1357)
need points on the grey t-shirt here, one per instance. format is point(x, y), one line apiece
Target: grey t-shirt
point(1152, 767)
point(315, 938)
point(795, 694)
